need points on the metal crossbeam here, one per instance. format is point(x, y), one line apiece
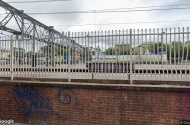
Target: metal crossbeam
point(10, 30)
point(20, 17)
point(32, 29)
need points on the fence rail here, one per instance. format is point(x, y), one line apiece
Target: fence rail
point(153, 54)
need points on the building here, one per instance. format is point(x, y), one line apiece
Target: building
point(143, 49)
point(122, 48)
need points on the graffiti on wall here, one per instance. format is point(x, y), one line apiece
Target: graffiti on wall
point(30, 101)
point(65, 98)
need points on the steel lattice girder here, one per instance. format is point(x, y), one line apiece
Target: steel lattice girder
point(20, 17)
point(40, 29)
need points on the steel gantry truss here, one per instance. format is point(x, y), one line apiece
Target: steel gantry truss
point(25, 23)
point(31, 28)
point(28, 27)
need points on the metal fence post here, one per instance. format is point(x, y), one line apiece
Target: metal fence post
point(33, 52)
point(131, 67)
point(162, 50)
point(69, 57)
point(11, 57)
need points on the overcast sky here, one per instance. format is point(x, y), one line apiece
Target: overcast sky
point(107, 18)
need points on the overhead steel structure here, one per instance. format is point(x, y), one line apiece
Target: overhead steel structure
point(28, 27)
point(25, 23)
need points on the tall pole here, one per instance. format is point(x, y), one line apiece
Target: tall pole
point(33, 56)
point(69, 58)
point(162, 46)
point(131, 67)
point(11, 58)
point(22, 32)
point(22, 36)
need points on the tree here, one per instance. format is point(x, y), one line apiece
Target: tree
point(59, 51)
point(187, 52)
point(155, 48)
point(119, 50)
point(88, 55)
point(29, 54)
point(19, 53)
point(122, 49)
point(178, 50)
point(39, 54)
point(110, 51)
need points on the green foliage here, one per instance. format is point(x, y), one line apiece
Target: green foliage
point(178, 50)
point(83, 54)
point(29, 53)
point(119, 51)
point(60, 51)
point(123, 51)
point(110, 51)
point(19, 52)
point(155, 48)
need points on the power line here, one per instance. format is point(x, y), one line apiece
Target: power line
point(122, 23)
point(39, 1)
point(111, 11)
point(146, 7)
point(104, 10)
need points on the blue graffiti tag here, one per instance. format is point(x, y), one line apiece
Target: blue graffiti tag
point(31, 101)
point(66, 98)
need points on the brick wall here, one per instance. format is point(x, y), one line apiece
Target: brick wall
point(73, 104)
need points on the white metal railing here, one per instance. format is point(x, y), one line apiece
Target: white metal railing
point(153, 54)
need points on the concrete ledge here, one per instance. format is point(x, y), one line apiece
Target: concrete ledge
point(100, 86)
point(135, 82)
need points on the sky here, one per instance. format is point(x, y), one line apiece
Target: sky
point(110, 21)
